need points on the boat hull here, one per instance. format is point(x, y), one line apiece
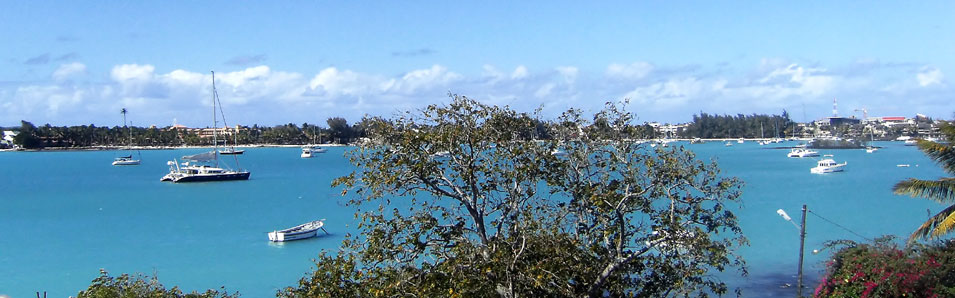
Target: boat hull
point(282, 237)
point(824, 170)
point(232, 152)
point(126, 163)
point(207, 177)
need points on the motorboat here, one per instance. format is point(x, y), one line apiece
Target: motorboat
point(802, 152)
point(871, 149)
point(828, 166)
point(306, 152)
point(205, 166)
point(728, 144)
point(739, 141)
point(302, 231)
point(911, 142)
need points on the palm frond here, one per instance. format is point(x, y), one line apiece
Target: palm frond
point(943, 154)
point(936, 226)
point(942, 190)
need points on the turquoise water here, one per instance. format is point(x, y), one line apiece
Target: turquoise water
point(64, 215)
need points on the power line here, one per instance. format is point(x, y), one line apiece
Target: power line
point(840, 226)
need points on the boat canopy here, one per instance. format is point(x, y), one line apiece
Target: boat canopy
point(205, 156)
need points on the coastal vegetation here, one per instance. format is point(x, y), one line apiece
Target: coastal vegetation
point(465, 200)
point(84, 136)
point(708, 126)
point(137, 286)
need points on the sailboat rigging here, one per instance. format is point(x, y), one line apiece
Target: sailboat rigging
point(205, 166)
point(128, 159)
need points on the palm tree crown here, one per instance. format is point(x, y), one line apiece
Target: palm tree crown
point(941, 190)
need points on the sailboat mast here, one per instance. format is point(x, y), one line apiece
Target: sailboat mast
point(215, 140)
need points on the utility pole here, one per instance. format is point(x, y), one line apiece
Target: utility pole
point(802, 244)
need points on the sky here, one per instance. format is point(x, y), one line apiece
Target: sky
point(277, 62)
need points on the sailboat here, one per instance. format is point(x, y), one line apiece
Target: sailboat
point(205, 166)
point(235, 142)
point(309, 149)
point(126, 160)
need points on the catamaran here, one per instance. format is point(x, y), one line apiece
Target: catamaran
point(205, 166)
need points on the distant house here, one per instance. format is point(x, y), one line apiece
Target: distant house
point(7, 140)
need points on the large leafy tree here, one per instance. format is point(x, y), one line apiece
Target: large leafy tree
point(941, 190)
point(461, 200)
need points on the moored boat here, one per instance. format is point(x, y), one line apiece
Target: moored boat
point(205, 166)
point(302, 231)
point(828, 166)
point(802, 152)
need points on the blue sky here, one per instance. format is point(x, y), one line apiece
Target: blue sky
point(80, 62)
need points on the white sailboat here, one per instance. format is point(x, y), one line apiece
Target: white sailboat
point(127, 160)
point(205, 166)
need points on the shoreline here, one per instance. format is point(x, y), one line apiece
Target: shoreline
point(113, 148)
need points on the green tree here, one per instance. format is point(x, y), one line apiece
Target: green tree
point(588, 213)
point(339, 129)
point(27, 136)
point(126, 286)
point(941, 190)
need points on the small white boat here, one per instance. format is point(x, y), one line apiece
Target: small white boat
point(125, 161)
point(306, 152)
point(827, 155)
point(728, 144)
point(302, 231)
point(739, 141)
point(905, 165)
point(871, 149)
point(231, 151)
point(828, 166)
point(911, 142)
point(802, 152)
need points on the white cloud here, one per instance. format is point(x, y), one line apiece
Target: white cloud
point(68, 71)
point(427, 79)
point(929, 76)
point(519, 73)
point(267, 96)
point(132, 72)
point(673, 92)
point(544, 90)
point(634, 71)
point(569, 73)
point(332, 82)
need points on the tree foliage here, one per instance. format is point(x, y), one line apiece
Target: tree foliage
point(463, 200)
point(740, 126)
point(941, 190)
point(137, 286)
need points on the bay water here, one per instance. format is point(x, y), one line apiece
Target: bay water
point(66, 214)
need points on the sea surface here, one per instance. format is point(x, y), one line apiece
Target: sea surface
point(64, 215)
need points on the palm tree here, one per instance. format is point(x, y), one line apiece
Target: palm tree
point(941, 190)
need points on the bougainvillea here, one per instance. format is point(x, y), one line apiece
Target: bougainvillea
point(883, 269)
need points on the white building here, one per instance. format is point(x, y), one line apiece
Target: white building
point(7, 140)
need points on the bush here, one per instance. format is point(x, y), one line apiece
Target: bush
point(882, 269)
point(139, 285)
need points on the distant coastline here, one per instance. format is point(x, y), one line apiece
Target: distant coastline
point(110, 148)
